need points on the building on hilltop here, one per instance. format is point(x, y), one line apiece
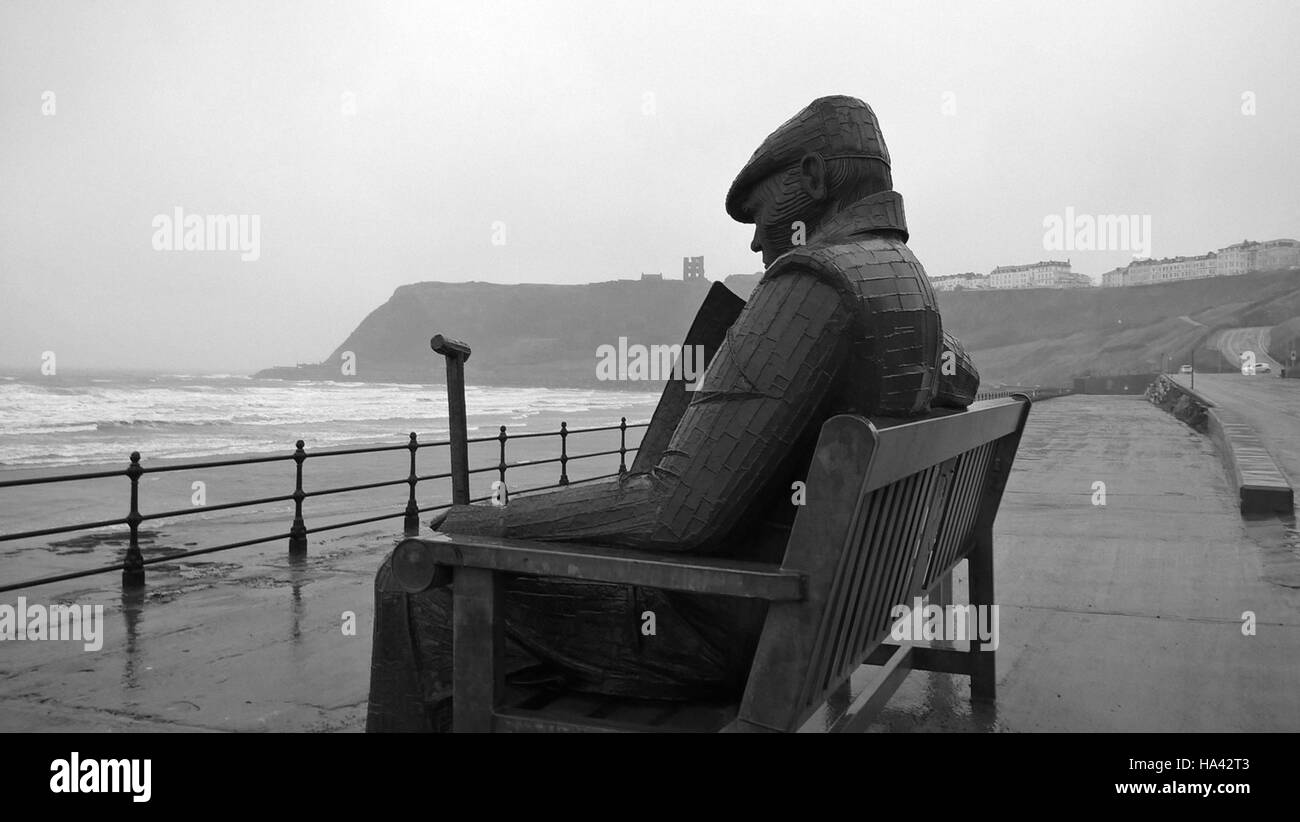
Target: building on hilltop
point(1229, 261)
point(1141, 272)
point(658, 278)
point(1115, 277)
point(693, 268)
point(1277, 254)
point(1073, 279)
point(1249, 255)
point(1237, 258)
point(1045, 274)
point(955, 282)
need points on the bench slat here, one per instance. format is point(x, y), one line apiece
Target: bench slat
point(911, 447)
point(677, 572)
point(853, 615)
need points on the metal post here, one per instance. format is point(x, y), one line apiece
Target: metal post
point(622, 446)
point(501, 464)
point(133, 565)
point(411, 527)
point(298, 533)
point(456, 354)
point(564, 453)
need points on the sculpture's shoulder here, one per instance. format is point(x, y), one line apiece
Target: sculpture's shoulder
point(864, 265)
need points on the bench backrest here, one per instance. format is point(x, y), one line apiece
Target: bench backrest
point(887, 515)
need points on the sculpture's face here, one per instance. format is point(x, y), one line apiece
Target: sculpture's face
point(774, 205)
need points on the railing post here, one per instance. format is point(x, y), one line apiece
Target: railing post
point(298, 533)
point(457, 354)
point(622, 446)
point(501, 465)
point(133, 565)
point(564, 453)
point(412, 524)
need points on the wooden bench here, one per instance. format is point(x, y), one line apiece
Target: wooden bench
point(889, 514)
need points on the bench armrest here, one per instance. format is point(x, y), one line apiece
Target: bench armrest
point(420, 564)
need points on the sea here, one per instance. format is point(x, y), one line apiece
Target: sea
point(98, 419)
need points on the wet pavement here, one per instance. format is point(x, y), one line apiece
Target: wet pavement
point(252, 641)
point(1126, 616)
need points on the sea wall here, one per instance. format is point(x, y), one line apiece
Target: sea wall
point(1184, 404)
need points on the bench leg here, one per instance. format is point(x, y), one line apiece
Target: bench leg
point(943, 593)
point(477, 647)
point(979, 567)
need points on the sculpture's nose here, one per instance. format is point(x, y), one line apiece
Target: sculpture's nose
point(755, 244)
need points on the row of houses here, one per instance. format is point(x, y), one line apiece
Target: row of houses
point(1240, 258)
point(1044, 274)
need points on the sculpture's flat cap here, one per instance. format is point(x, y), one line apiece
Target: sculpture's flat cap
point(832, 126)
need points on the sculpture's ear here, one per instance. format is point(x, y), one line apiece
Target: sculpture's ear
point(812, 175)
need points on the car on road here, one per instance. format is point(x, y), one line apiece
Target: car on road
point(1262, 368)
point(1186, 369)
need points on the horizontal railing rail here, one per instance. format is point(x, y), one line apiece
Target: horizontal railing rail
point(133, 565)
point(1125, 371)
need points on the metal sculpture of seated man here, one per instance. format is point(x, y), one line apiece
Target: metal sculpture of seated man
point(843, 321)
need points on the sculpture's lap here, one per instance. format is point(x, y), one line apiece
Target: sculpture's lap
point(592, 636)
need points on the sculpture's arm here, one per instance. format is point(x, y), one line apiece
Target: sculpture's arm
point(959, 380)
point(759, 394)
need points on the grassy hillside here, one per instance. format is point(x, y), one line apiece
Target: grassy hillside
point(548, 334)
point(1284, 338)
point(539, 335)
point(1047, 336)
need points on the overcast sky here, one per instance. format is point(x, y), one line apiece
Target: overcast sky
point(380, 144)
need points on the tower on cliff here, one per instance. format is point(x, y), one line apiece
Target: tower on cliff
point(692, 268)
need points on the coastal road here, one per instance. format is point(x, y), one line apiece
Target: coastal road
point(1233, 341)
point(1266, 403)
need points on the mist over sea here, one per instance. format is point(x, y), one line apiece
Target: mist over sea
point(96, 419)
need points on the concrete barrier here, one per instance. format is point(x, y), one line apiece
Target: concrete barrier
point(1261, 486)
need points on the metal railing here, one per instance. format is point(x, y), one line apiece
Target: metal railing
point(1121, 371)
point(456, 354)
point(133, 565)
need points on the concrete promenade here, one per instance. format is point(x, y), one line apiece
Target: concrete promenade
point(1126, 616)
